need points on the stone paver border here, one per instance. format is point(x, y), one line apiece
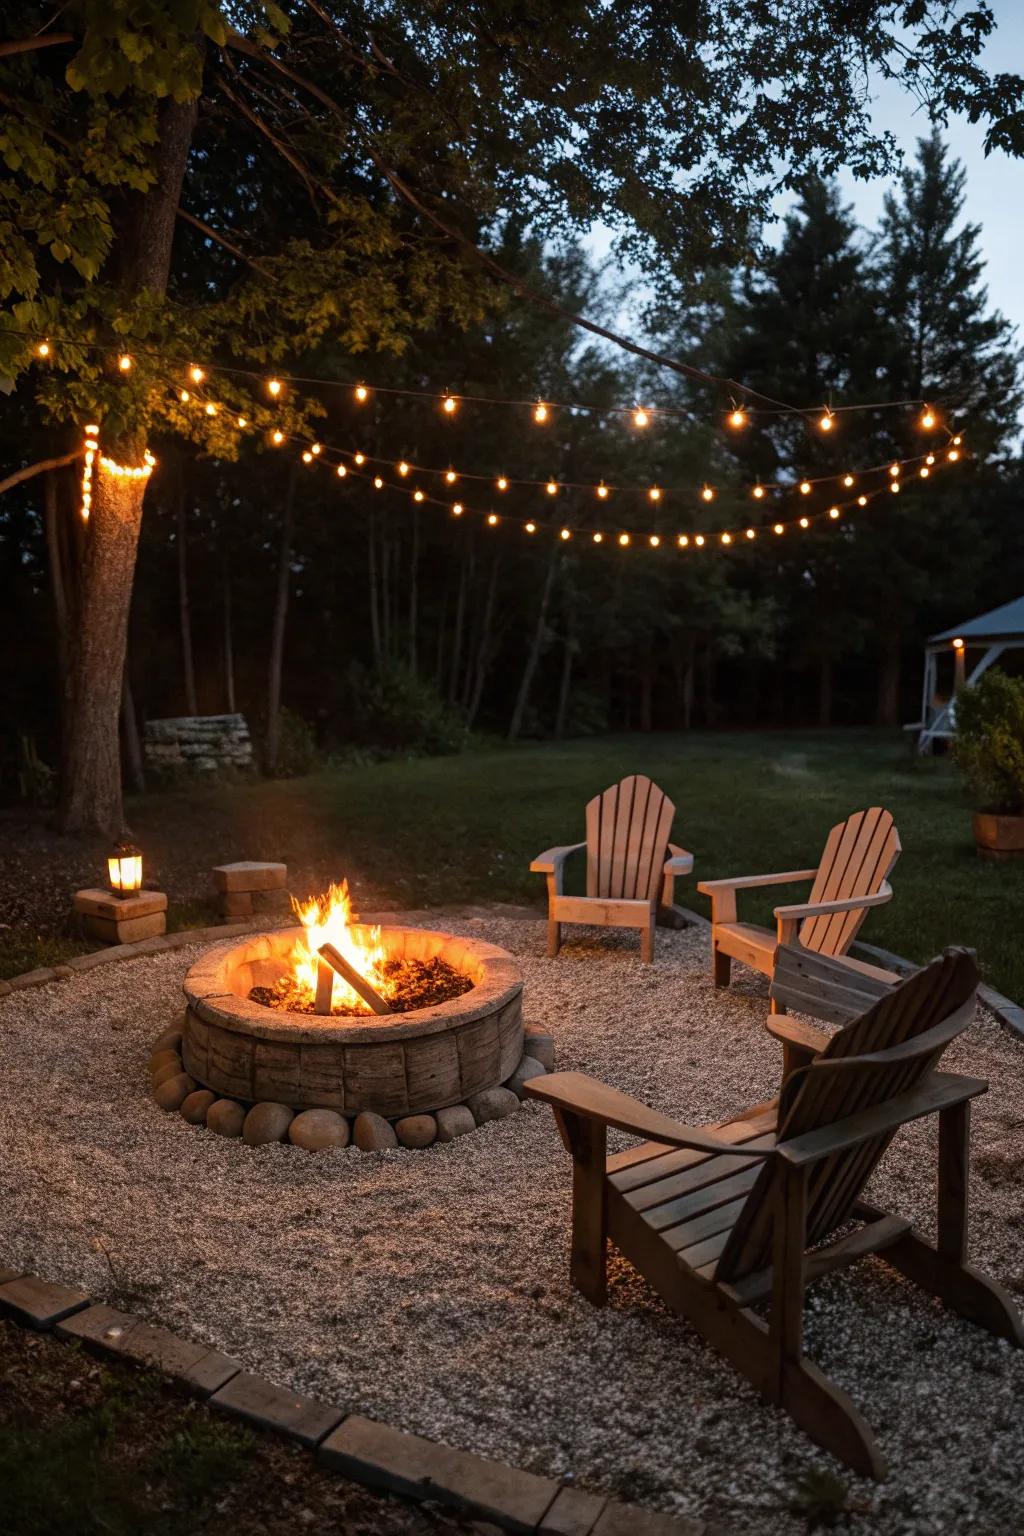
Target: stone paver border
point(361, 1449)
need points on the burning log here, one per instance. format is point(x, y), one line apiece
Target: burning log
point(332, 960)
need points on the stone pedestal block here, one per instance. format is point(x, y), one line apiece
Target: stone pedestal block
point(251, 887)
point(121, 919)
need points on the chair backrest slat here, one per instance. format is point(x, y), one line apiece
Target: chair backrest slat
point(889, 1050)
point(628, 829)
point(859, 854)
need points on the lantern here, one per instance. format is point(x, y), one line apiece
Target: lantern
point(124, 867)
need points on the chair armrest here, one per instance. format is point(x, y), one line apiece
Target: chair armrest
point(792, 1032)
point(551, 860)
point(939, 1091)
point(574, 1093)
point(679, 862)
point(750, 882)
point(825, 908)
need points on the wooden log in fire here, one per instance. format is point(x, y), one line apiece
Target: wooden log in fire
point(331, 960)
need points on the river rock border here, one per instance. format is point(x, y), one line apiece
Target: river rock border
point(321, 1130)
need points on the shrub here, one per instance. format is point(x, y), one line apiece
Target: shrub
point(989, 742)
point(296, 746)
point(401, 712)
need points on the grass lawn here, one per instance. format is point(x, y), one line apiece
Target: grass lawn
point(436, 830)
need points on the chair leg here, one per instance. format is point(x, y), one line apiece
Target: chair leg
point(647, 941)
point(554, 938)
point(721, 965)
point(828, 1416)
point(587, 1140)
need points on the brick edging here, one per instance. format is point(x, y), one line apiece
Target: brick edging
point(364, 1450)
point(1009, 1013)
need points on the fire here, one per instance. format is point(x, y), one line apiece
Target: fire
point(327, 919)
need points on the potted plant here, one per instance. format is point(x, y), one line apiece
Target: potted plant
point(989, 750)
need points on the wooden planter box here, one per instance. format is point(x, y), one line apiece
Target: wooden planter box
point(998, 837)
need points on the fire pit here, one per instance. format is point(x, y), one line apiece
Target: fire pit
point(251, 1030)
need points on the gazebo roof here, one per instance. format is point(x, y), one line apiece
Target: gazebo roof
point(1003, 623)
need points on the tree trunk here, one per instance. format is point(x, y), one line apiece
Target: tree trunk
point(133, 769)
point(284, 571)
point(564, 685)
point(647, 692)
point(187, 666)
point(485, 645)
point(371, 563)
point(515, 725)
point(90, 797)
point(460, 619)
point(414, 577)
point(229, 649)
point(889, 672)
point(824, 690)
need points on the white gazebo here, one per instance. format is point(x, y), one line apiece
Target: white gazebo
point(986, 638)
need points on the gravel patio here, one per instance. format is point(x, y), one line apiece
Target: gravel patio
point(430, 1289)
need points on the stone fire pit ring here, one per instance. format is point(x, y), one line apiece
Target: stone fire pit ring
point(391, 1067)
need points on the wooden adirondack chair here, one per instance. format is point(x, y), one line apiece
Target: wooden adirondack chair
point(851, 877)
point(720, 1218)
point(630, 864)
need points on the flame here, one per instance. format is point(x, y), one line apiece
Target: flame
point(327, 919)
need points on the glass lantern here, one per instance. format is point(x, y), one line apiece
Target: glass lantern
point(124, 867)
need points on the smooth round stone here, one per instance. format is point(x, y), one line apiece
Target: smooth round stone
point(164, 1058)
point(173, 1093)
point(267, 1122)
point(193, 1109)
point(316, 1130)
point(170, 1040)
point(528, 1067)
point(416, 1131)
point(372, 1133)
point(454, 1121)
point(226, 1117)
point(540, 1045)
point(168, 1070)
point(493, 1104)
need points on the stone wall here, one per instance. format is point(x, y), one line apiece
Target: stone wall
point(197, 743)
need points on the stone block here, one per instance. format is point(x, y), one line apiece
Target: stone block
point(250, 875)
point(100, 903)
point(271, 901)
point(126, 930)
point(574, 1513)
point(259, 1402)
point(33, 978)
point(38, 1303)
point(235, 903)
point(388, 1458)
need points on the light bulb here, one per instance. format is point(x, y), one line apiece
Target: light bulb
point(778, 528)
point(894, 486)
point(707, 494)
point(833, 513)
point(758, 492)
point(602, 491)
point(241, 421)
point(699, 539)
point(737, 418)
point(493, 518)
point(361, 393)
point(451, 476)
point(211, 409)
point(378, 483)
point(598, 538)
point(957, 441)
point(654, 493)
point(927, 418)
point(751, 533)
point(862, 501)
point(417, 495)
point(359, 458)
point(124, 362)
point(277, 437)
point(654, 541)
point(274, 387)
point(805, 487)
point(184, 397)
point(805, 522)
point(953, 455)
point(924, 471)
point(531, 527)
point(341, 471)
point(958, 643)
point(726, 538)
point(682, 541)
point(565, 534)
point(623, 539)
point(894, 470)
point(825, 421)
point(307, 457)
point(640, 417)
point(551, 488)
point(502, 483)
point(196, 374)
point(449, 405)
point(403, 468)
point(540, 411)
point(457, 509)
point(847, 480)
point(43, 349)
point(930, 459)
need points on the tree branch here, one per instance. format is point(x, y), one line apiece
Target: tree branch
point(30, 44)
point(39, 469)
point(213, 234)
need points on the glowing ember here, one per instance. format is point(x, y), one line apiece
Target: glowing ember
point(404, 984)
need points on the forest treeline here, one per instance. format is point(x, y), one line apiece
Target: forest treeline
point(335, 615)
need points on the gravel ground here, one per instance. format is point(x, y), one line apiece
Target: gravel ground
point(429, 1289)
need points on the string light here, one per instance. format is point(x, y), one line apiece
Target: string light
point(699, 540)
point(43, 349)
point(779, 528)
point(307, 457)
point(502, 483)
point(826, 421)
point(751, 533)
point(359, 458)
point(683, 541)
point(531, 527)
point(847, 481)
point(451, 477)
point(833, 513)
point(737, 418)
point(598, 538)
point(654, 541)
point(129, 471)
point(956, 441)
point(378, 483)
point(726, 538)
point(315, 449)
point(551, 488)
point(654, 493)
point(805, 487)
point(211, 409)
point(805, 522)
point(184, 397)
point(540, 411)
point(758, 492)
point(242, 422)
point(277, 438)
point(124, 362)
point(602, 491)
point(457, 509)
point(862, 501)
point(928, 418)
point(274, 387)
point(403, 468)
point(362, 394)
point(493, 519)
point(623, 539)
point(953, 454)
point(565, 533)
point(417, 495)
point(924, 471)
point(91, 449)
point(707, 493)
point(930, 459)
point(640, 417)
point(449, 405)
point(341, 471)
point(894, 470)
point(895, 487)
point(196, 374)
